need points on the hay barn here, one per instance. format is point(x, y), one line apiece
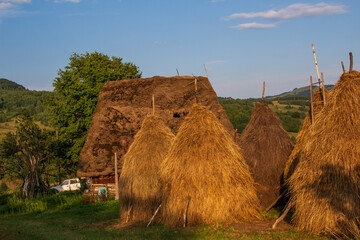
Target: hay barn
point(205, 171)
point(139, 185)
point(121, 108)
point(266, 147)
point(325, 185)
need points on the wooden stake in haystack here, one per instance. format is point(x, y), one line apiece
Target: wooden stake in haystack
point(263, 93)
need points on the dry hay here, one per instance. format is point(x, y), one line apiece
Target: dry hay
point(325, 186)
point(204, 165)
point(266, 147)
point(139, 179)
point(293, 160)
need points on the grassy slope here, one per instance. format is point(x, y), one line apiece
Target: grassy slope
point(73, 219)
point(11, 126)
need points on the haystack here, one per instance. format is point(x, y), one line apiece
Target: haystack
point(293, 160)
point(266, 147)
point(204, 166)
point(139, 180)
point(325, 186)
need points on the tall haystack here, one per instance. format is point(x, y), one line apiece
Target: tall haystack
point(293, 160)
point(266, 147)
point(139, 186)
point(204, 169)
point(325, 186)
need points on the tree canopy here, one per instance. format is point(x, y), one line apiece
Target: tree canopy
point(76, 91)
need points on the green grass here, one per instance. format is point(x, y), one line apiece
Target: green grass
point(66, 216)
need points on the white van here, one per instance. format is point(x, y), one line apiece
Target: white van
point(68, 185)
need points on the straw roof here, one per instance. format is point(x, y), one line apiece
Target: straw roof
point(293, 160)
point(325, 186)
point(139, 180)
point(123, 105)
point(266, 147)
point(204, 166)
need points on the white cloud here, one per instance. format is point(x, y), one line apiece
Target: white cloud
point(293, 11)
point(255, 25)
point(4, 6)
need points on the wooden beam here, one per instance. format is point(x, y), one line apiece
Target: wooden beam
point(323, 88)
point(342, 65)
point(153, 217)
point(316, 64)
point(311, 101)
point(185, 212)
point(351, 61)
point(116, 179)
point(263, 93)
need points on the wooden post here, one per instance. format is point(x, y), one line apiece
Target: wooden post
point(152, 218)
point(316, 64)
point(342, 65)
point(263, 93)
point(323, 88)
point(311, 101)
point(177, 72)
point(153, 103)
point(351, 62)
point(196, 98)
point(185, 212)
point(206, 71)
point(287, 209)
point(116, 179)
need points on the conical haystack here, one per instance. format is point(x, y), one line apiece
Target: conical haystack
point(266, 147)
point(325, 186)
point(293, 160)
point(139, 186)
point(205, 169)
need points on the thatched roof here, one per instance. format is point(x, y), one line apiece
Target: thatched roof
point(325, 186)
point(139, 185)
point(123, 105)
point(266, 147)
point(204, 165)
point(293, 160)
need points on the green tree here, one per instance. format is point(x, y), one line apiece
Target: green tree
point(77, 89)
point(27, 154)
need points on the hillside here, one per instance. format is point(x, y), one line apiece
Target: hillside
point(6, 84)
point(303, 91)
point(15, 99)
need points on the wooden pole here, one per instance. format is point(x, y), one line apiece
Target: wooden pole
point(316, 64)
point(116, 179)
point(153, 104)
point(185, 212)
point(323, 88)
point(287, 209)
point(273, 203)
point(342, 65)
point(351, 61)
point(196, 98)
point(177, 72)
point(263, 93)
point(206, 71)
point(311, 101)
point(152, 218)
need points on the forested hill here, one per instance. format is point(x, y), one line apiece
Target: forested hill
point(15, 99)
point(303, 91)
point(6, 84)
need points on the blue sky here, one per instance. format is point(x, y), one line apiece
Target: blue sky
point(242, 42)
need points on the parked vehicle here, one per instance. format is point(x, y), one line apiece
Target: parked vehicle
point(68, 185)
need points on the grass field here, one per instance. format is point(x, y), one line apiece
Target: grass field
point(66, 216)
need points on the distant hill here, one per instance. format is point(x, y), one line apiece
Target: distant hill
point(6, 84)
point(15, 99)
point(303, 91)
